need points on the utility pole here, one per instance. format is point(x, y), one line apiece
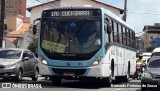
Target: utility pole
point(125, 10)
point(2, 2)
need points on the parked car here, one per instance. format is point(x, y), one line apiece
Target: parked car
point(16, 63)
point(151, 76)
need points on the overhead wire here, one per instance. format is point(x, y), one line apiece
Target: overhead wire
point(135, 11)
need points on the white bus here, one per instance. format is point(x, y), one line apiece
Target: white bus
point(84, 43)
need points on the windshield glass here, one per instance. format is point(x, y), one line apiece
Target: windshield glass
point(71, 36)
point(155, 54)
point(10, 54)
point(154, 64)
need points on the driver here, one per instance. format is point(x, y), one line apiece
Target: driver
point(140, 59)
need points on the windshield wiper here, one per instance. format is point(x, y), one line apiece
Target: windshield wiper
point(60, 26)
point(79, 28)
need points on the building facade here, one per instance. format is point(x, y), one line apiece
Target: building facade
point(139, 45)
point(15, 7)
point(151, 36)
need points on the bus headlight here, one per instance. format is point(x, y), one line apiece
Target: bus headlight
point(97, 61)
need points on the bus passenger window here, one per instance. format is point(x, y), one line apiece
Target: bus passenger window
point(115, 33)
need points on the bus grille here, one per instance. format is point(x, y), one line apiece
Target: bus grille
point(75, 71)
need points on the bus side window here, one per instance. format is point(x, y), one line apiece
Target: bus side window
point(124, 37)
point(127, 38)
point(112, 31)
point(115, 33)
point(105, 28)
point(120, 34)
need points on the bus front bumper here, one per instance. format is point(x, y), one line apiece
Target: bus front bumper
point(102, 70)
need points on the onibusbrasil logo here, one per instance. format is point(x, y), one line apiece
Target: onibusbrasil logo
point(17, 85)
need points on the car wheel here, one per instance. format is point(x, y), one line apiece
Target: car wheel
point(19, 76)
point(35, 76)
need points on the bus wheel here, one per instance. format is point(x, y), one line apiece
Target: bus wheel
point(56, 80)
point(108, 81)
point(126, 78)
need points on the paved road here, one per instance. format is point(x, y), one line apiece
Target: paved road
point(73, 86)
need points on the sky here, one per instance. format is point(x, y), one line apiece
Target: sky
point(139, 12)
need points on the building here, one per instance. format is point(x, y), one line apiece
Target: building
point(151, 36)
point(15, 7)
point(139, 45)
point(36, 10)
point(18, 31)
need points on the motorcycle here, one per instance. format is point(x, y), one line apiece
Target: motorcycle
point(140, 68)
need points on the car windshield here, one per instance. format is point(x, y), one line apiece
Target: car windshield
point(10, 54)
point(155, 54)
point(154, 64)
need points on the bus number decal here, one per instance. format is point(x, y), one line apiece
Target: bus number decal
point(82, 64)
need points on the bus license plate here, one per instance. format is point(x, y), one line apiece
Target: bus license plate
point(68, 74)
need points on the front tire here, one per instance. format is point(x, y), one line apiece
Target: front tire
point(108, 81)
point(35, 76)
point(126, 78)
point(19, 75)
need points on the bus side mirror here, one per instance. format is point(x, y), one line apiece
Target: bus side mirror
point(34, 29)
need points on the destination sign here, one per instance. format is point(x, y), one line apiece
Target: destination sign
point(70, 13)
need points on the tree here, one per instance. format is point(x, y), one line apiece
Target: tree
point(33, 45)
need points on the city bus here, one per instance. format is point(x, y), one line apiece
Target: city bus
point(85, 43)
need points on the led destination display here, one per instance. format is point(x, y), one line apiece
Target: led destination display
point(71, 13)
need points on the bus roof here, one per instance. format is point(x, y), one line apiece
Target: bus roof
point(112, 15)
point(109, 13)
point(65, 8)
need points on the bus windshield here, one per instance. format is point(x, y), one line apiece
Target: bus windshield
point(78, 36)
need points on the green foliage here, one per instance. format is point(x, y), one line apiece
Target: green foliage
point(33, 45)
